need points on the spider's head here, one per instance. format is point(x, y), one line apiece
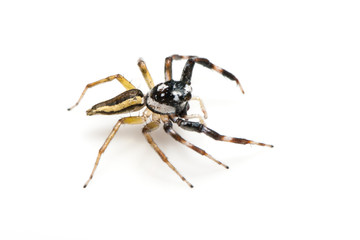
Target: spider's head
point(170, 97)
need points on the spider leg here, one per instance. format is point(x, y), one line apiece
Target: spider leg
point(202, 106)
point(146, 74)
point(198, 116)
point(125, 120)
point(169, 130)
point(191, 116)
point(187, 71)
point(119, 77)
point(168, 64)
point(146, 131)
point(201, 128)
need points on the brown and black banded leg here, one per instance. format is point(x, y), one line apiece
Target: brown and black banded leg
point(146, 131)
point(168, 65)
point(119, 77)
point(125, 120)
point(187, 71)
point(169, 130)
point(200, 128)
point(146, 74)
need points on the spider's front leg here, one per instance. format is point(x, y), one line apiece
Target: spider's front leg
point(201, 128)
point(189, 66)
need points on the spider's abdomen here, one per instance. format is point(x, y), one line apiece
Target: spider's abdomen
point(128, 101)
point(169, 98)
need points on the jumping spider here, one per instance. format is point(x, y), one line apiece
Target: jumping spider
point(167, 102)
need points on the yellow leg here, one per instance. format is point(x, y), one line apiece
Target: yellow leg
point(146, 74)
point(120, 78)
point(202, 106)
point(146, 131)
point(125, 120)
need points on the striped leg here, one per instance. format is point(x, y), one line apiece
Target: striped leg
point(187, 72)
point(200, 128)
point(169, 130)
point(119, 77)
point(168, 65)
point(145, 73)
point(146, 131)
point(125, 120)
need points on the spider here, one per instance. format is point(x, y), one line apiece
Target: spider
point(166, 103)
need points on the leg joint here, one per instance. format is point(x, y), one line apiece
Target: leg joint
point(190, 126)
point(167, 127)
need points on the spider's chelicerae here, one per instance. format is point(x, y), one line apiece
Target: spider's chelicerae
point(166, 103)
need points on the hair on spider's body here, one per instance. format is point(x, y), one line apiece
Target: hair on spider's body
point(166, 103)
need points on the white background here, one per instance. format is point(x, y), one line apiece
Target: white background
point(298, 62)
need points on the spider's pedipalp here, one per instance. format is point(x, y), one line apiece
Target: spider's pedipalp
point(146, 131)
point(200, 128)
point(169, 130)
point(202, 106)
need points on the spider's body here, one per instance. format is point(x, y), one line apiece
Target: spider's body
point(166, 103)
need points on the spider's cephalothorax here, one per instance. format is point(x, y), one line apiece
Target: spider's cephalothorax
point(170, 97)
point(165, 103)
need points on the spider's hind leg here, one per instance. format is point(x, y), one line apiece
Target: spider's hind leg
point(119, 77)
